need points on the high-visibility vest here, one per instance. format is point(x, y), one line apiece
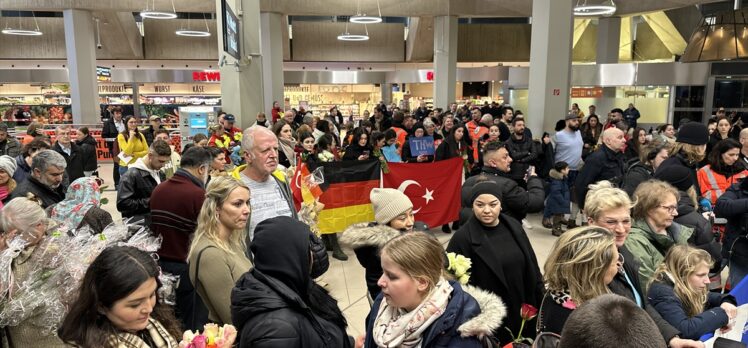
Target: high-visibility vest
point(476, 133)
point(713, 184)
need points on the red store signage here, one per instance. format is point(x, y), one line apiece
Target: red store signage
point(206, 76)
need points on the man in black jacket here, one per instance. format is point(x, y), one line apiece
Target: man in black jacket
point(150, 132)
point(517, 202)
point(46, 179)
point(522, 151)
point(112, 128)
point(76, 159)
point(606, 163)
point(141, 178)
point(9, 145)
point(380, 121)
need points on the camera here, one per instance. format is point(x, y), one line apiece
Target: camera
point(98, 46)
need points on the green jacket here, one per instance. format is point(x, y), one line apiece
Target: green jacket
point(650, 248)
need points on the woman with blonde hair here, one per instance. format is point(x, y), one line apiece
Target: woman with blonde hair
point(680, 292)
point(653, 231)
point(610, 207)
point(419, 307)
point(582, 263)
point(217, 255)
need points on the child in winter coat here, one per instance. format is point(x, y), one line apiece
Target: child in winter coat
point(559, 200)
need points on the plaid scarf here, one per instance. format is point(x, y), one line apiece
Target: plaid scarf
point(160, 337)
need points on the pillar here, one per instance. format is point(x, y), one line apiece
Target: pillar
point(608, 40)
point(241, 80)
point(271, 36)
point(386, 93)
point(445, 60)
point(80, 47)
point(550, 63)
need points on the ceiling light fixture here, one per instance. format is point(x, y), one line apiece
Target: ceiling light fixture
point(152, 13)
point(347, 36)
point(605, 8)
point(362, 18)
point(20, 31)
point(719, 37)
point(194, 33)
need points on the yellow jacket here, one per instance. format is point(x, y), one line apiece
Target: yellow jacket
point(136, 147)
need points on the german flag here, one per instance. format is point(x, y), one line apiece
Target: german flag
point(346, 194)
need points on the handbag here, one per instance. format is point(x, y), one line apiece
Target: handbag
point(197, 282)
point(544, 339)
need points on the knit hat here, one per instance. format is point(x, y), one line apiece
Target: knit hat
point(8, 164)
point(388, 204)
point(677, 175)
point(694, 133)
point(485, 187)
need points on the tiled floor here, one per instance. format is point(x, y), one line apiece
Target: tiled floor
point(345, 280)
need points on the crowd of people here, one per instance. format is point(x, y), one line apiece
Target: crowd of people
point(637, 214)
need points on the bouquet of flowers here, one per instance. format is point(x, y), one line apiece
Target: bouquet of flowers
point(459, 266)
point(212, 337)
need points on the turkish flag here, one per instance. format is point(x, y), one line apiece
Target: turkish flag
point(433, 188)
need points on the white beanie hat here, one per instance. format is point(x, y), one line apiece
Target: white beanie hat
point(388, 204)
point(8, 164)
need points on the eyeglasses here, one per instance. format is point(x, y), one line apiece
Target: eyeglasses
point(620, 262)
point(670, 209)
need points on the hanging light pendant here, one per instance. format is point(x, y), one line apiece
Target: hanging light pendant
point(347, 36)
point(605, 8)
point(721, 36)
point(194, 33)
point(152, 13)
point(362, 18)
point(20, 31)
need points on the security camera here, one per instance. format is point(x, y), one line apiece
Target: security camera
point(98, 46)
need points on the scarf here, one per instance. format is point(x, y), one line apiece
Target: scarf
point(160, 337)
point(396, 328)
point(4, 192)
point(82, 195)
point(287, 146)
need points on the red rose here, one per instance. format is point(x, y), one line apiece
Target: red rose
point(528, 312)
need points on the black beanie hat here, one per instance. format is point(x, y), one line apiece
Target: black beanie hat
point(694, 133)
point(678, 176)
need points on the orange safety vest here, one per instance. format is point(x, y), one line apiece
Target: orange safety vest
point(476, 134)
point(713, 184)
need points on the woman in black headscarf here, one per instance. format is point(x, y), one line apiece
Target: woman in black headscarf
point(277, 303)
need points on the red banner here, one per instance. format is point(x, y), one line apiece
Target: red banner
point(433, 188)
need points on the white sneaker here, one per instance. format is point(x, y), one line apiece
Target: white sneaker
point(526, 224)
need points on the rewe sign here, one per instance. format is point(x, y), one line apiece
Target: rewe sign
point(206, 76)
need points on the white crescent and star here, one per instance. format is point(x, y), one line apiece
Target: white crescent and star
point(428, 196)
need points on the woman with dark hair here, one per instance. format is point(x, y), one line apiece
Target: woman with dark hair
point(722, 170)
point(88, 144)
point(722, 133)
point(591, 131)
point(635, 144)
point(118, 304)
point(277, 303)
point(359, 149)
point(641, 169)
point(132, 144)
point(286, 144)
point(408, 156)
point(305, 151)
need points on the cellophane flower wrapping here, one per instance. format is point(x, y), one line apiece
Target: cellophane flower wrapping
point(58, 263)
point(212, 336)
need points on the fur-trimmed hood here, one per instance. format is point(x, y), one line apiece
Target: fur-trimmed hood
point(492, 314)
point(367, 234)
point(555, 174)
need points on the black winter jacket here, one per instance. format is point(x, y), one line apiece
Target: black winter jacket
point(134, 193)
point(88, 146)
point(732, 205)
point(662, 296)
point(702, 236)
point(516, 201)
point(47, 195)
point(636, 173)
point(365, 239)
point(680, 160)
point(620, 286)
point(268, 314)
point(109, 131)
point(150, 134)
point(603, 164)
point(77, 161)
point(523, 153)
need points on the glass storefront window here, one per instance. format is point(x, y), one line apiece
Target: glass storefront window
point(729, 93)
point(689, 96)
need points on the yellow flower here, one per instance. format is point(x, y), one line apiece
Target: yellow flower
point(211, 331)
point(464, 279)
point(460, 265)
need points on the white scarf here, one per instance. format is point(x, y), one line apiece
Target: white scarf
point(394, 327)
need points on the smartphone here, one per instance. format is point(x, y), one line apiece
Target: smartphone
point(366, 153)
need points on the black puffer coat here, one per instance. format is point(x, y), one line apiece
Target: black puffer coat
point(523, 153)
point(516, 201)
point(603, 164)
point(366, 239)
point(636, 173)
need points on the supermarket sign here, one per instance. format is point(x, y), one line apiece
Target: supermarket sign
point(209, 76)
